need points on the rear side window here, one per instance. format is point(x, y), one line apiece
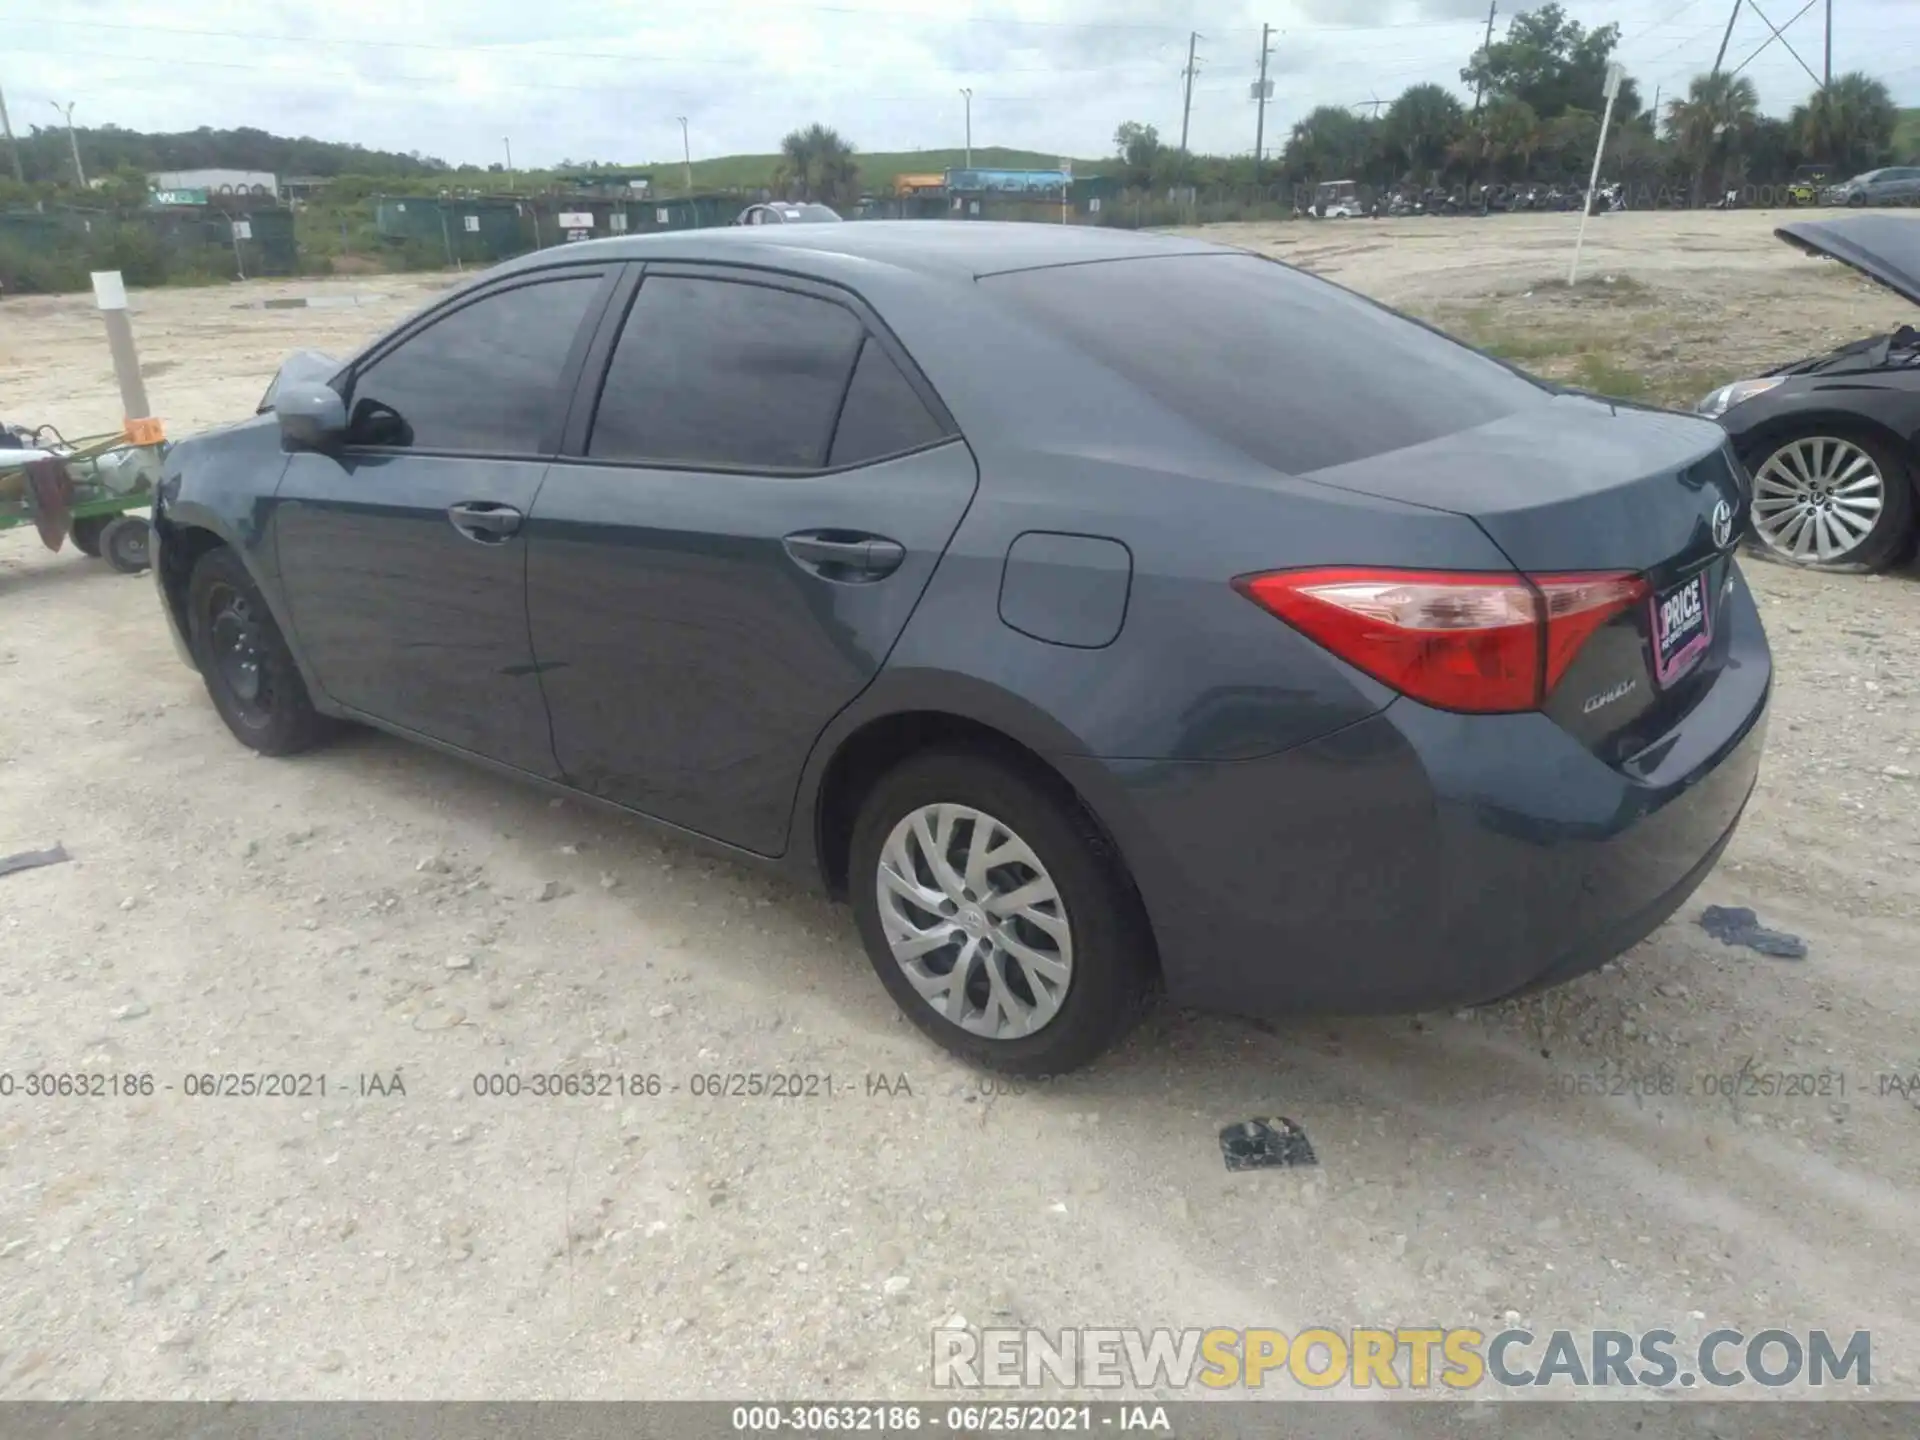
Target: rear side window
point(1297, 373)
point(483, 380)
point(722, 373)
point(884, 415)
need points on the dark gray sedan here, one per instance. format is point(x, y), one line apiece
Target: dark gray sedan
point(1100, 613)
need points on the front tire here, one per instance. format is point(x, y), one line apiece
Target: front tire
point(249, 671)
point(998, 914)
point(1833, 501)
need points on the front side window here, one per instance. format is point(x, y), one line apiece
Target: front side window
point(726, 374)
point(482, 380)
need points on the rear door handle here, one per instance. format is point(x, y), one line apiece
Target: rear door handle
point(845, 555)
point(485, 521)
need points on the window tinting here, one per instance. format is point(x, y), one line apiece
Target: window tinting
point(883, 415)
point(712, 372)
point(482, 379)
point(1299, 374)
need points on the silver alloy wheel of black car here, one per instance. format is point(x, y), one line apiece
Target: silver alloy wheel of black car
point(974, 921)
point(1817, 499)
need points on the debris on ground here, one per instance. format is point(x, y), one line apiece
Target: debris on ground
point(1266, 1144)
point(34, 859)
point(1737, 925)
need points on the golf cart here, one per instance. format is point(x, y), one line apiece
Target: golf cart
point(1336, 200)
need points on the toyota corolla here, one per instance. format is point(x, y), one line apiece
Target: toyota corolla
point(1100, 614)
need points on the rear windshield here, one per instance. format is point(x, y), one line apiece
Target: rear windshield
point(1299, 374)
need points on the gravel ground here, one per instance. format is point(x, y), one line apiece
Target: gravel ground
point(373, 910)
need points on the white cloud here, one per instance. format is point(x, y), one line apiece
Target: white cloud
point(580, 79)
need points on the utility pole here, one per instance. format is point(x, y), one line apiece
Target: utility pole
point(1827, 84)
point(967, 91)
point(686, 150)
point(13, 146)
point(507, 141)
point(1480, 90)
point(1260, 125)
point(1721, 58)
point(72, 140)
point(1186, 105)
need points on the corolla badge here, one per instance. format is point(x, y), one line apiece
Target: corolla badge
point(1625, 687)
point(1722, 525)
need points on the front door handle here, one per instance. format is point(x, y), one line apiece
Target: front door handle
point(484, 520)
point(852, 557)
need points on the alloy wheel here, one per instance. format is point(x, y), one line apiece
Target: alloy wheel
point(1817, 499)
point(974, 921)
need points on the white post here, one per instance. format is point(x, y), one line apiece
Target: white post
point(110, 295)
point(1615, 74)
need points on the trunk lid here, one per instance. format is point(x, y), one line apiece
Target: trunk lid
point(1584, 485)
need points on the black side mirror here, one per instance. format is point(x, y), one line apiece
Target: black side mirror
point(312, 416)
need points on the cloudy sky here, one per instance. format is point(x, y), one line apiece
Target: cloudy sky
point(584, 79)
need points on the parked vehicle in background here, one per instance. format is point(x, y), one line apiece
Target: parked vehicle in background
point(1895, 185)
point(1808, 185)
point(783, 212)
point(1830, 439)
point(1337, 200)
point(1098, 611)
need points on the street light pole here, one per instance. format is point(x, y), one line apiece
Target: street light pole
point(968, 93)
point(73, 140)
point(686, 150)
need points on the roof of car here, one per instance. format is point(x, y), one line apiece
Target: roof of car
point(944, 247)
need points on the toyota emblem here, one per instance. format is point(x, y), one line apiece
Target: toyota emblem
point(1722, 525)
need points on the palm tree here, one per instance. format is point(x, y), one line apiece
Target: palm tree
point(1711, 126)
point(818, 163)
point(1513, 128)
point(1849, 124)
point(1420, 126)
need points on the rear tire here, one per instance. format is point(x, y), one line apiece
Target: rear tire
point(85, 534)
point(1032, 987)
point(243, 658)
point(125, 544)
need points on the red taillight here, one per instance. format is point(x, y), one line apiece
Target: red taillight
point(1459, 641)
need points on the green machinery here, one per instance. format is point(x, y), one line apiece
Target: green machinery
point(80, 490)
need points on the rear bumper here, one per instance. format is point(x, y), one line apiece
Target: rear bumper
point(1419, 860)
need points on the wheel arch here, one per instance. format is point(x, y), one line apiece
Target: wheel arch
point(1768, 435)
point(181, 540)
point(908, 714)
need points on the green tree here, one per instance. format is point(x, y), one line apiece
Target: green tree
point(1421, 127)
point(1848, 125)
point(1139, 148)
point(1713, 126)
point(1553, 63)
point(1570, 139)
point(1331, 143)
point(819, 164)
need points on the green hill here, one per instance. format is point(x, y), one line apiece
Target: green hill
point(1906, 138)
point(877, 170)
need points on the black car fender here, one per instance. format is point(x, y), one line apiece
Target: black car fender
point(1854, 411)
point(211, 496)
